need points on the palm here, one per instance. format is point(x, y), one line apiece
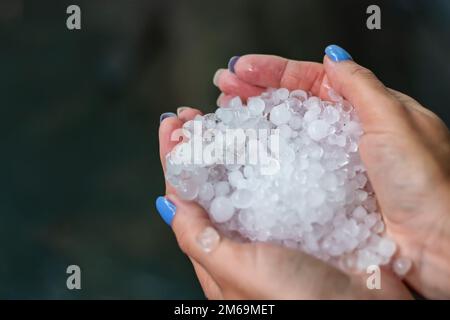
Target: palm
point(401, 170)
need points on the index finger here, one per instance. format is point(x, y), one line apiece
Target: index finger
point(277, 72)
point(169, 137)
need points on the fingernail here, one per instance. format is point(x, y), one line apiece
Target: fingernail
point(337, 54)
point(166, 209)
point(166, 115)
point(180, 110)
point(232, 63)
point(208, 239)
point(216, 77)
point(219, 100)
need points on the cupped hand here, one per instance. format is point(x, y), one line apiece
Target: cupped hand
point(405, 148)
point(230, 270)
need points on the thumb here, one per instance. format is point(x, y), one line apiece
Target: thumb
point(375, 105)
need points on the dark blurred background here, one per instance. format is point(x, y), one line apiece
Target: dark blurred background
point(79, 165)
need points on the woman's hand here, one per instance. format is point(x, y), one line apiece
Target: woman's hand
point(232, 270)
point(405, 147)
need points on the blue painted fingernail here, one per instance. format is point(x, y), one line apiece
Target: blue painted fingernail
point(166, 115)
point(337, 53)
point(232, 63)
point(166, 209)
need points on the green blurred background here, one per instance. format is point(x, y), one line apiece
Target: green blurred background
point(79, 165)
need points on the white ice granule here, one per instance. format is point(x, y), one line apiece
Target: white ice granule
point(401, 266)
point(290, 174)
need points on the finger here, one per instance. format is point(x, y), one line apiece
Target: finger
point(223, 100)
point(187, 113)
point(170, 135)
point(200, 240)
point(377, 108)
point(235, 266)
point(209, 286)
point(230, 84)
point(167, 140)
point(277, 72)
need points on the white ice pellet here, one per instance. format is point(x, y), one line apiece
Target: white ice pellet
point(222, 188)
point(370, 220)
point(236, 102)
point(311, 193)
point(280, 114)
point(313, 103)
point(188, 189)
point(242, 198)
point(330, 115)
point(282, 93)
point(401, 266)
point(386, 247)
point(221, 209)
point(248, 171)
point(285, 131)
point(318, 129)
point(295, 122)
point(224, 114)
point(299, 94)
point(235, 177)
point(359, 213)
point(256, 106)
point(206, 192)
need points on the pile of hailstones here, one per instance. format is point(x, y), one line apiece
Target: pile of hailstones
point(313, 195)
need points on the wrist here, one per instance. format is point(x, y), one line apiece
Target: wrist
point(431, 273)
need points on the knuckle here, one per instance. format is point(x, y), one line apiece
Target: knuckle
point(288, 78)
point(361, 72)
point(230, 85)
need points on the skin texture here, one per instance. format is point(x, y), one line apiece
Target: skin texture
point(406, 150)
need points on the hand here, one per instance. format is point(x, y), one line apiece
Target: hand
point(231, 270)
point(405, 147)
